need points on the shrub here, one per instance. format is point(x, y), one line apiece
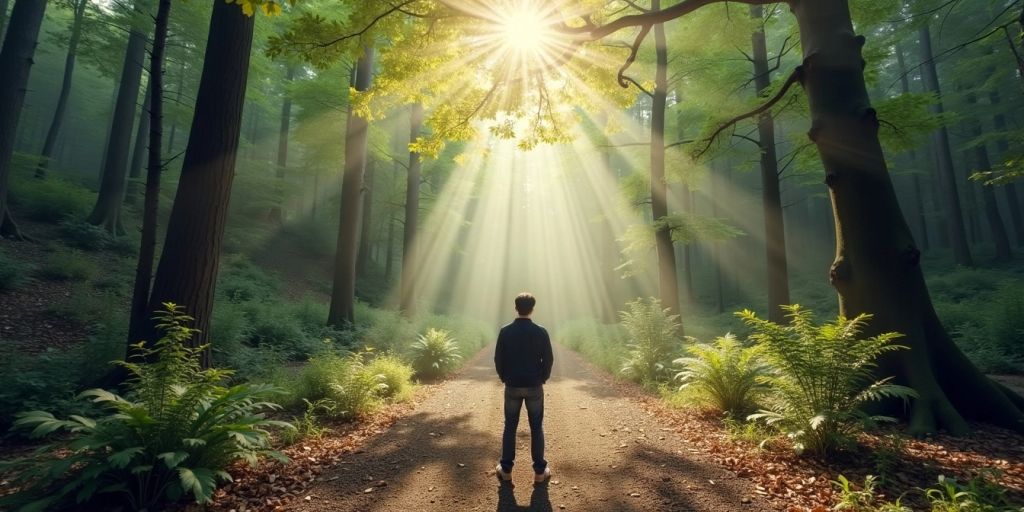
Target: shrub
point(342, 383)
point(724, 375)
point(69, 265)
point(272, 325)
point(13, 274)
point(46, 380)
point(1006, 325)
point(653, 333)
point(49, 200)
point(174, 433)
point(83, 235)
point(604, 345)
point(435, 354)
point(825, 374)
point(867, 499)
point(242, 281)
point(979, 494)
point(396, 375)
point(389, 330)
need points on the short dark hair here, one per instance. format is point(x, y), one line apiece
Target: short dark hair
point(525, 303)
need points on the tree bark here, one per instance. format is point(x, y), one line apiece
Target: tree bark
point(139, 152)
point(668, 280)
point(16, 58)
point(1012, 201)
point(876, 269)
point(389, 254)
point(343, 295)
point(364, 256)
point(686, 204)
point(407, 287)
point(282, 146)
point(3, 17)
point(107, 211)
point(919, 216)
point(771, 195)
point(65, 89)
point(154, 166)
point(187, 272)
point(988, 195)
point(177, 104)
point(940, 141)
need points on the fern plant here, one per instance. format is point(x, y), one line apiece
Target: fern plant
point(825, 375)
point(435, 354)
point(653, 334)
point(724, 375)
point(172, 434)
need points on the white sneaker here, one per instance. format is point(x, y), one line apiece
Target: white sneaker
point(540, 478)
point(502, 474)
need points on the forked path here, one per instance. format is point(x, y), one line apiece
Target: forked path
point(607, 454)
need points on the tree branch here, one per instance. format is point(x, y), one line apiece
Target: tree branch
point(644, 30)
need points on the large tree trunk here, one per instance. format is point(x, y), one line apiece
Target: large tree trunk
point(65, 89)
point(407, 301)
point(668, 281)
point(282, 146)
point(364, 257)
point(686, 205)
point(15, 65)
point(139, 152)
point(1012, 201)
point(177, 104)
point(940, 141)
point(343, 295)
point(154, 166)
point(877, 265)
point(187, 272)
point(3, 17)
point(915, 176)
point(988, 194)
point(771, 196)
point(107, 211)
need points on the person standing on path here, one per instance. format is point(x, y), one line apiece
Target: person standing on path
point(523, 361)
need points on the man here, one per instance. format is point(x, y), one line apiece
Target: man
point(523, 360)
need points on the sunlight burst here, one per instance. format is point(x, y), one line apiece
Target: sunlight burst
point(525, 30)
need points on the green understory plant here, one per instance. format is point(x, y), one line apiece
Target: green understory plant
point(173, 433)
point(435, 354)
point(724, 375)
point(653, 336)
point(825, 374)
point(866, 499)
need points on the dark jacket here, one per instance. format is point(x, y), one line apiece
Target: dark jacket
point(523, 356)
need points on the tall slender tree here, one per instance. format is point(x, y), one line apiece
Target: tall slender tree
point(187, 271)
point(78, 16)
point(407, 288)
point(343, 295)
point(915, 177)
point(282, 144)
point(16, 58)
point(140, 151)
point(988, 195)
point(107, 211)
point(1012, 201)
point(364, 255)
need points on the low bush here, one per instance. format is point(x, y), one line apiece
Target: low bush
point(435, 354)
point(653, 339)
point(604, 345)
point(344, 385)
point(724, 375)
point(84, 236)
point(396, 375)
point(47, 380)
point(13, 274)
point(49, 200)
point(239, 280)
point(69, 265)
point(824, 376)
point(173, 434)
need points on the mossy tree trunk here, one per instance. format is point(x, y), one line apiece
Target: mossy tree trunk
point(16, 58)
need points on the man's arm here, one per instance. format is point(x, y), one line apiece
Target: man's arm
point(548, 358)
point(499, 363)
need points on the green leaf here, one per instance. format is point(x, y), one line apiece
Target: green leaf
point(199, 481)
point(172, 459)
point(124, 457)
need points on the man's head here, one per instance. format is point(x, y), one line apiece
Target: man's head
point(525, 303)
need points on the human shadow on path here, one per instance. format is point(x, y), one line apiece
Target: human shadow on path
point(539, 499)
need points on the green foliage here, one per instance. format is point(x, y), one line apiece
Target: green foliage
point(49, 200)
point(241, 281)
point(435, 354)
point(653, 334)
point(396, 376)
point(604, 345)
point(173, 434)
point(979, 494)
point(825, 375)
point(345, 386)
point(46, 380)
point(69, 265)
point(866, 499)
point(13, 273)
point(724, 375)
point(309, 425)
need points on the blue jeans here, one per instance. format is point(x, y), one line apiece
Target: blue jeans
point(514, 398)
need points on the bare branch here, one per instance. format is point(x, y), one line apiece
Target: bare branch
point(644, 30)
point(638, 85)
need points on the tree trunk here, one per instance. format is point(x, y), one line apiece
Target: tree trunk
point(389, 255)
point(177, 104)
point(187, 272)
point(668, 284)
point(919, 217)
point(686, 204)
point(1012, 201)
point(940, 141)
point(65, 89)
point(364, 256)
point(107, 211)
point(988, 194)
point(154, 166)
point(343, 295)
point(3, 17)
point(282, 146)
point(771, 196)
point(139, 153)
point(876, 269)
point(412, 211)
point(15, 66)
point(716, 251)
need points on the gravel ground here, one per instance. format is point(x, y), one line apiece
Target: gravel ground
point(606, 453)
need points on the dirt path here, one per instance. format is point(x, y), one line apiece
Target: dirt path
point(606, 453)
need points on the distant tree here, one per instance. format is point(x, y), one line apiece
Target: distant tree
point(59, 113)
point(412, 213)
point(16, 58)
